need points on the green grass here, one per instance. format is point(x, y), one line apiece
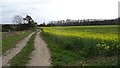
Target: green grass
point(23, 56)
point(0, 47)
point(71, 44)
point(60, 56)
point(10, 41)
point(98, 61)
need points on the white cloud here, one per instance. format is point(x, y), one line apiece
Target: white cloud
point(119, 9)
point(46, 10)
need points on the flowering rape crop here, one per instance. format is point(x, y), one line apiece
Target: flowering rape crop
point(91, 40)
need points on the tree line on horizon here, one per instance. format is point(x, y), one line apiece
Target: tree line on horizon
point(84, 22)
point(20, 24)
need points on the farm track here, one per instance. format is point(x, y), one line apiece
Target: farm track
point(11, 53)
point(41, 55)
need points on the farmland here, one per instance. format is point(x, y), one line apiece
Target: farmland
point(9, 39)
point(79, 45)
point(21, 47)
point(23, 56)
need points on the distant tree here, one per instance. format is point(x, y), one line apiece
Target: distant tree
point(17, 19)
point(31, 23)
point(84, 22)
point(44, 23)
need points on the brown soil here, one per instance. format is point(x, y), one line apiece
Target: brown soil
point(40, 55)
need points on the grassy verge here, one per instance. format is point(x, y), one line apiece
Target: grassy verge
point(0, 47)
point(23, 56)
point(59, 55)
point(10, 41)
point(65, 52)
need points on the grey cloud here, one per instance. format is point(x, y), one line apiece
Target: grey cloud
point(45, 10)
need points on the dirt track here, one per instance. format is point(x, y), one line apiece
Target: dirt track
point(11, 53)
point(41, 55)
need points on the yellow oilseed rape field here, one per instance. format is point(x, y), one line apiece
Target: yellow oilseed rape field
point(83, 41)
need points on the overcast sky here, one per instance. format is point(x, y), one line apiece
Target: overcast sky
point(48, 10)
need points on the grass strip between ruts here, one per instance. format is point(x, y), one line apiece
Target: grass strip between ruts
point(23, 56)
point(10, 41)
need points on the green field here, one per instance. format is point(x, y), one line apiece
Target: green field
point(24, 55)
point(0, 47)
point(80, 45)
point(9, 39)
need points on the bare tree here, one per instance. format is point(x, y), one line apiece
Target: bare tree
point(17, 19)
